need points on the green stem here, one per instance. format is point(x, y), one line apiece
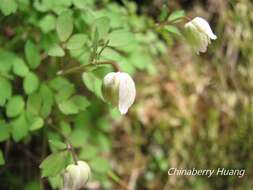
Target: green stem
point(161, 24)
point(73, 69)
point(69, 145)
point(80, 67)
point(71, 149)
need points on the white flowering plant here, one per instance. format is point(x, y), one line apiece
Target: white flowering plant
point(66, 67)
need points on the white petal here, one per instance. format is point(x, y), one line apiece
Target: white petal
point(84, 173)
point(204, 26)
point(109, 79)
point(127, 92)
point(73, 175)
point(204, 40)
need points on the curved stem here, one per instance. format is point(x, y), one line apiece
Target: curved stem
point(69, 145)
point(161, 24)
point(71, 149)
point(80, 67)
point(112, 63)
point(73, 69)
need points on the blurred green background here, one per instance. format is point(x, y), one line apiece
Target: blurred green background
point(191, 111)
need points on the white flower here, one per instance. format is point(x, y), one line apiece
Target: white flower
point(200, 33)
point(76, 176)
point(119, 89)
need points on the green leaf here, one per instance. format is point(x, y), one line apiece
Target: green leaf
point(31, 83)
point(93, 83)
point(2, 161)
point(4, 131)
point(8, 6)
point(19, 128)
point(47, 100)
point(172, 29)
point(36, 123)
point(34, 103)
point(58, 83)
point(82, 4)
point(32, 185)
point(88, 152)
point(164, 12)
point(68, 107)
point(81, 102)
point(64, 25)
point(57, 145)
point(56, 181)
point(176, 15)
point(102, 25)
point(15, 106)
point(56, 51)
point(65, 128)
point(100, 165)
point(47, 23)
point(53, 164)
point(32, 54)
point(6, 91)
point(63, 3)
point(95, 40)
point(19, 67)
point(120, 38)
point(6, 61)
point(78, 137)
point(76, 41)
point(63, 87)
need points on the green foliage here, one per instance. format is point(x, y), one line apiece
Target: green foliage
point(2, 161)
point(15, 106)
point(176, 15)
point(64, 25)
point(31, 83)
point(8, 6)
point(6, 90)
point(32, 54)
point(93, 83)
point(50, 88)
point(19, 67)
point(53, 164)
point(76, 41)
point(56, 50)
point(19, 127)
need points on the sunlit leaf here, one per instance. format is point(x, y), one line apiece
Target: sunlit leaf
point(64, 25)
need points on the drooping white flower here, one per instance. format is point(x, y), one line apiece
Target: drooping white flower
point(200, 34)
point(76, 176)
point(119, 89)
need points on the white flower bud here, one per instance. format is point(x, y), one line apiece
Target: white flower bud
point(119, 89)
point(200, 34)
point(76, 176)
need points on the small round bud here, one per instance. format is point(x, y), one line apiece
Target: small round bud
point(76, 176)
point(199, 34)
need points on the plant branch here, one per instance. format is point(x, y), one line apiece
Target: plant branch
point(164, 23)
point(69, 145)
point(80, 67)
point(112, 63)
point(71, 149)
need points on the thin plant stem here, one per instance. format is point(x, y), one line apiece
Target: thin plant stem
point(81, 67)
point(162, 24)
point(69, 145)
point(71, 150)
